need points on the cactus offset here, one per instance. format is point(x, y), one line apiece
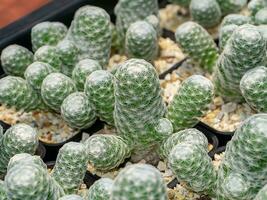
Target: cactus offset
point(100, 190)
point(236, 19)
point(261, 17)
point(231, 6)
point(255, 5)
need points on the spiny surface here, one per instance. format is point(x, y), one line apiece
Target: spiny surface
point(236, 19)
point(261, 17)
point(71, 197)
point(225, 33)
point(262, 195)
point(231, 6)
point(100, 190)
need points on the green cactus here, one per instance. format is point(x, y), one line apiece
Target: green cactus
point(90, 30)
point(15, 59)
point(20, 138)
point(55, 88)
point(262, 195)
point(138, 103)
point(71, 197)
point(82, 70)
point(225, 33)
point(232, 64)
point(154, 21)
point(192, 136)
point(184, 3)
point(15, 92)
point(261, 17)
point(206, 12)
point(236, 19)
point(100, 91)
point(192, 165)
point(141, 41)
point(100, 190)
point(106, 152)
point(49, 54)
point(255, 5)
point(253, 87)
point(1, 132)
point(68, 53)
point(36, 72)
point(70, 166)
point(3, 195)
point(231, 6)
point(139, 181)
point(47, 33)
point(190, 103)
point(195, 41)
point(77, 111)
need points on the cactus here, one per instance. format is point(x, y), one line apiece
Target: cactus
point(206, 12)
point(261, 17)
point(91, 32)
point(16, 92)
point(77, 111)
point(1, 132)
point(100, 190)
point(47, 33)
point(68, 53)
point(184, 3)
point(15, 59)
point(82, 70)
point(154, 21)
point(3, 195)
point(192, 166)
point(20, 138)
point(262, 194)
point(141, 41)
point(191, 102)
point(70, 166)
point(255, 5)
point(192, 136)
point(232, 64)
point(106, 152)
point(253, 87)
point(49, 54)
point(100, 91)
point(195, 41)
point(55, 88)
point(71, 197)
point(236, 19)
point(231, 6)
point(36, 72)
point(139, 181)
point(225, 33)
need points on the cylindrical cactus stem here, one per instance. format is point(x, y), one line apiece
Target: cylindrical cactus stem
point(90, 30)
point(261, 17)
point(192, 165)
point(106, 152)
point(71, 197)
point(78, 111)
point(47, 33)
point(184, 3)
point(206, 12)
point(198, 44)
point(55, 88)
point(100, 190)
point(232, 64)
point(36, 72)
point(190, 102)
point(262, 194)
point(99, 88)
point(191, 135)
point(68, 53)
point(20, 138)
point(70, 167)
point(255, 5)
point(231, 6)
point(138, 102)
point(15, 59)
point(253, 87)
point(82, 70)
point(141, 41)
point(225, 33)
point(139, 181)
point(3, 195)
point(236, 19)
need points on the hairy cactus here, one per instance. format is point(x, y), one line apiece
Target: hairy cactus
point(262, 194)
point(106, 152)
point(99, 88)
point(49, 54)
point(141, 41)
point(191, 102)
point(231, 6)
point(198, 44)
point(36, 72)
point(47, 33)
point(255, 5)
point(91, 32)
point(77, 111)
point(15, 92)
point(55, 88)
point(70, 166)
point(206, 12)
point(71, 197)
point(225, 33)
point(15, 59)
point(3, 195)
point(82, 70)
point(100, 190)
point(236, 19)
point(20, 138)
point(261, 17)
point(184, 3)
point(232, 63)
point(253, 87)
point(139, 181)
